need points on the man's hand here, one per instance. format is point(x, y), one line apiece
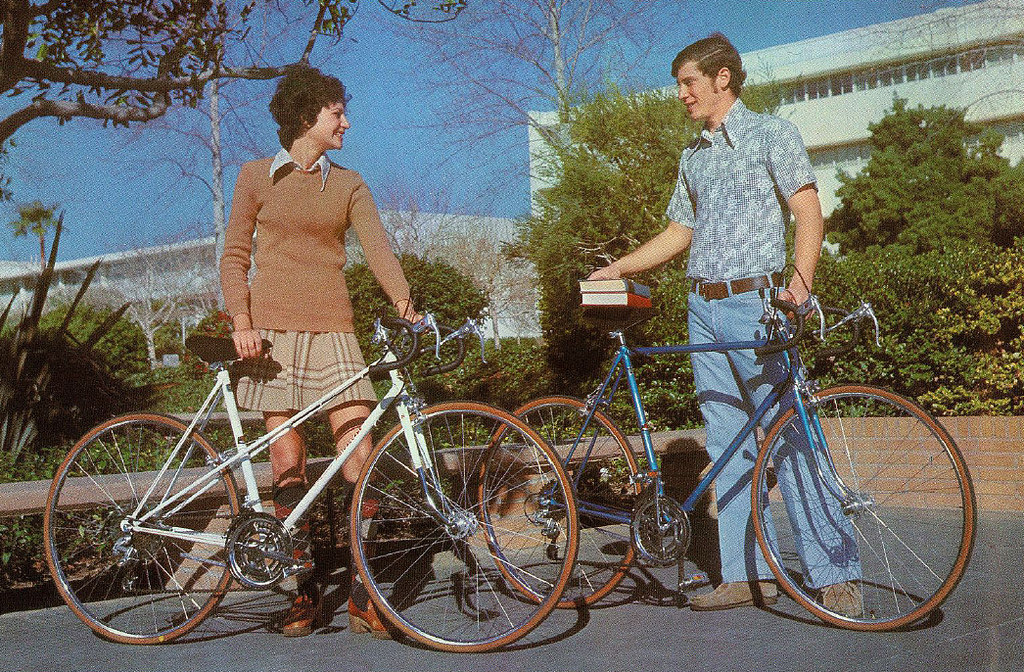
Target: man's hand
point(609, 272)
point(796, 293)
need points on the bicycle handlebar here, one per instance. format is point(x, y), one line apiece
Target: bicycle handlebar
point(402, 359)
point(856, 316)
point(785, 343)
point(445, 334)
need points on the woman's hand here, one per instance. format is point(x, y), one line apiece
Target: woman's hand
point(406, 311)
point(248, 342)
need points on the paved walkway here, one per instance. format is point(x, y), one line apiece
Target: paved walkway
point(981, 627)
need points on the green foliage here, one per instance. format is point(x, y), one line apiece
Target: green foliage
point(933, 179)
point(508, 378)
point(926, 233)
point(951, 322)
point(123, 347)
point(36, 219)
point(50, 387)
point(21, 544)
point(435, 286)
point(612, 183)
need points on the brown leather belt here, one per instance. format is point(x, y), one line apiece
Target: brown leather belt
point(721, 290)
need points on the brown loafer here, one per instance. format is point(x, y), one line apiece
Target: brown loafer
point(298, 622)
point(736, 594)
point(362, 615)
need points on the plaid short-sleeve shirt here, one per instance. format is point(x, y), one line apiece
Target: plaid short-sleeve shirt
point(733, 187)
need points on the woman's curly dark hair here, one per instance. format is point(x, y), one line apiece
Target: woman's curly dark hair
point(300, 95)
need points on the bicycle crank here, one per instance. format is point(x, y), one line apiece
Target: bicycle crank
point(259, 550)
point(661, 529)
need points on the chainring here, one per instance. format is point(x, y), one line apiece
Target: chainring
point(661, 529)
point(259, 549)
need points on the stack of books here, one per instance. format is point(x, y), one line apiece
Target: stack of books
point(622, 292)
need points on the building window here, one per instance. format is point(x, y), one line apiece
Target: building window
point(972, 60)
point(944, 66)
point(965, 61)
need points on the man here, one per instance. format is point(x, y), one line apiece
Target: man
point(738, 184)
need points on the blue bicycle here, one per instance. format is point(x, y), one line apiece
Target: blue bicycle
point(855, 488)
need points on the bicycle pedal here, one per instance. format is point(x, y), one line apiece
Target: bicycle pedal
point(298, 570)
point(693, 581)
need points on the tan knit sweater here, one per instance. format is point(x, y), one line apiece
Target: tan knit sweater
point(300, 248)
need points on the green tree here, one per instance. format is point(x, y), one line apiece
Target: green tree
point(932, 180)
point(36, 219)
point(125, 62)
point(928, 233)
point(612, 183)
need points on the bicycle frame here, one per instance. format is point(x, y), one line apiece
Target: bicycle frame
point(622, 365)
point(243, 454)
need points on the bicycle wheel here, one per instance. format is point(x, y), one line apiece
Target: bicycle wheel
point(605, 489)
point(879, 541)
point(446, 550)
point(134, 587)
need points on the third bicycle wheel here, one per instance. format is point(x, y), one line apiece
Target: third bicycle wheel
point(879, 539)
point(605, 490)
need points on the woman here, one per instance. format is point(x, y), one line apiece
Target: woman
point(300, 205)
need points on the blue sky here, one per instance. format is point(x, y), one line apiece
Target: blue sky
point(119, 190)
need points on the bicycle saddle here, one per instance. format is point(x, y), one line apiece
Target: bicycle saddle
point(212, 349)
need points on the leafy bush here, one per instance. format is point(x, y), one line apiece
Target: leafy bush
point(509, 377)
point(951, 324)
point(435, 286)
point(122, 349)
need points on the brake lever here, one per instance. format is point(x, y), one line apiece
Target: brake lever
point(380, 334)
point(428, 321)
point(864, 310)
point(470, 326)
point(870, 312)
point(814, 304)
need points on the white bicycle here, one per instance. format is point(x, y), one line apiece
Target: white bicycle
point(463, 525)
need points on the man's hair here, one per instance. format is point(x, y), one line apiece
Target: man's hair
point(300, 95)
point(711, 55)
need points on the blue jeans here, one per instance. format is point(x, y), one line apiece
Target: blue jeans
point(730, 387)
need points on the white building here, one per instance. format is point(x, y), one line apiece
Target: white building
point(969, 57)
point(187, 270)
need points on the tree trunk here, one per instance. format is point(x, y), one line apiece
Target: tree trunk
point(150, 334)
point(494, 325)
point(218, 176)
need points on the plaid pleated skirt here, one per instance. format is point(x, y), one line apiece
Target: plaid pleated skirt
point(301, 367)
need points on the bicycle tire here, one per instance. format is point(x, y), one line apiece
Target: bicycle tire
point(135, 588)
point(903, 533)
point(445, 583)
point(608, 479)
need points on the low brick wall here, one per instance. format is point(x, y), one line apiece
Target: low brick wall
point(992, 446)
point(994, 450)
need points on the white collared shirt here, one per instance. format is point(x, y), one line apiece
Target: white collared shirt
point(283, 158)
